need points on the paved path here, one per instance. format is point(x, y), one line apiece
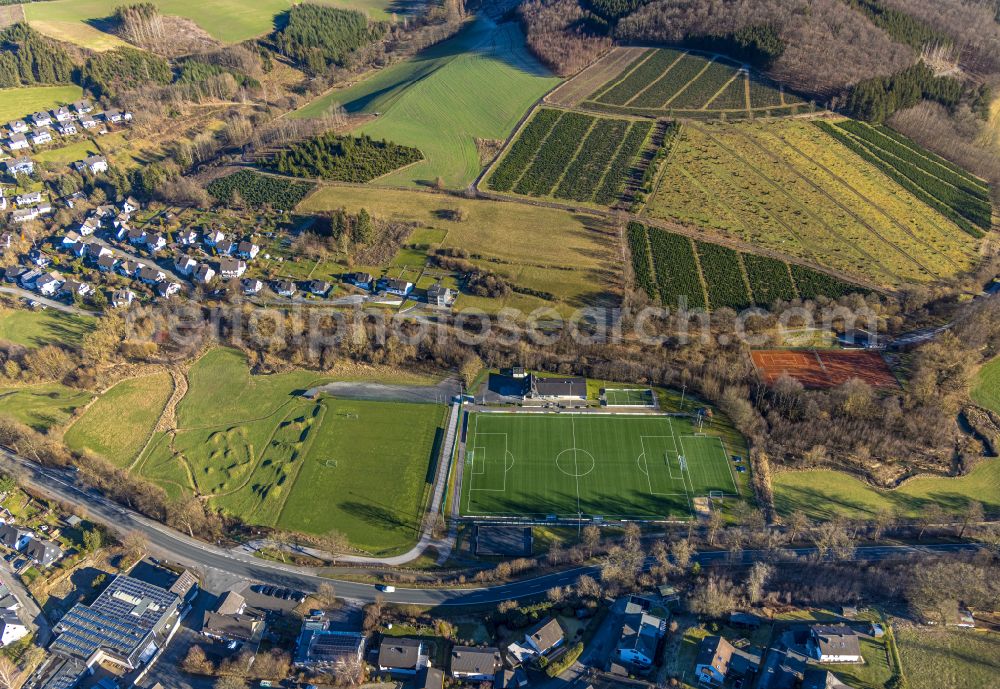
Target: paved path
point(51, 303)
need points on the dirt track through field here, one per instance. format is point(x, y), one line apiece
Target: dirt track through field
point(571, 93)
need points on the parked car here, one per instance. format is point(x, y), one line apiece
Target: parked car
point(386, 588)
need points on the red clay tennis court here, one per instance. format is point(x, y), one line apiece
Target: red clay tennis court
point(818, 368)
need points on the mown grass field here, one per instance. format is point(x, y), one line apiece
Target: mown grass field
point(85, 22)
point(949, 658)
point(642, 467)
point(119, 423)
point(37, 328)
point(262, 452)
point(573, 257)
point(986, 388)
point(427, 102)
point(790, 186)
point(679, 83)
point(824, 494)
point(17, 103)
point(42, 406)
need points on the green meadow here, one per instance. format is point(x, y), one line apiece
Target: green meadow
point(986, 387)
point(42, 406)
point(16, 103)
point(36, 328)
point(475, 85)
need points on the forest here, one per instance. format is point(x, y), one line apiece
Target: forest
point(106, 74)
point(27, 58)
point(317, 37)
point(343, 158)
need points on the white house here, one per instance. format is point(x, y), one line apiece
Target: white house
point(87, 122)
point(28, 199)
point(185, 265)
point(24, 214)
point(151, 275)
point(130, 205)
point(230, 268)
point(247, 250)
point(17, 142)
point(545, 637)
point(93, 164)
point(41, 136)
point(66, 129)
point(18, 126)
point(156, 241)
point(89, 226)
point(834, 644)
point(252, 286)
point(122, 298)
point(62, 114)
point(474, 664)
point(48, 284)
point(712, 662)
point(19, 166)
point(12, 629)
point(83, 106)
point(213, 237)
point(204, 274)
point(398, 287)
point(640, 634)
point(285, 288)
point(41, 119)
point(187, 237)
point(76, 288)
point(167, 289)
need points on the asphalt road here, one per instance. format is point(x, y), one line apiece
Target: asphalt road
point(209, 559)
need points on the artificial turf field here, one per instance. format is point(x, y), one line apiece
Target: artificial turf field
point(612, 466)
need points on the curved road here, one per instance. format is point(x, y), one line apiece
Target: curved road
point(60, 485)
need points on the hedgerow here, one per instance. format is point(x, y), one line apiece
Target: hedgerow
point(769, 279)
point(584, 174)
point(639, 249)
point(258, 190)
point(720, 267)
point(344, 158)
point(523, 150)
point(552, 158)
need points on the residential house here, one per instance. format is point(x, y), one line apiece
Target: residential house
point(24, 215)
point(402, 656)
point(782, 669)
point(28, 199)
point(12, 629)
point(106, 263)
point(17, 142)
point(44, 208)
point(712, 662)
point(129, 268)
point(230, 268)
point(252, 286)
point(83, 106)
point(233, 620)
point(14, 537)
point(151, 275)
point(66, 129)
point(89, 226)
point(167, 289)
point(95, 252)
point(87, 122)
point(438, 295)
point(18, 126)
point(40, 258)
point(117, 116)
point(131, 205)
point(225, 247)
point(362, 280)
point(507, 678)
point(79, 249)
point(321, 648)
point(62, 114)
point(816, 678)
point(121, 234)
point(213, 237)
point(474, 664)
point(75, 288)
point(247, 250)
point(19, 166)
point(318, 287)
point(429, 678)
point(42, 553)
point(398, 287)
point(27, 280)
point(122, 298)
point(3, 201)
point(136, 236)
point(285, 288)
point(48, 284)
point(204, 274)
point(41, 119)
point(156, 242)
point(640, 635)
point(834, 644)
point(187, 237)
point(92, 164)
point(40, 137)
point(104, 210)
point(545, 637)
point(14, 273)
point(184, 264)
point(8, 601)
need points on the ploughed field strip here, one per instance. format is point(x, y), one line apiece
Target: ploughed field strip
point(822, 368)
point(613, 466)
point(668, 82)
point(572, 155)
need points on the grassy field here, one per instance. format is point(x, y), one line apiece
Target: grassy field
point(427, 102)
point(986, 387)
point(822, 494)
point(573, 258)
point(118, 424)
point(42, 406)
point(17, 103)
point(85, 22)
point(789, 186)
point(262, 452)
point(680, 83)
point(612, 466)
point(949, 658)
point(64, 155)
point(37, 328)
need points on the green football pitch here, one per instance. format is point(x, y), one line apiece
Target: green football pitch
point(629, 397)
point(613, 466)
